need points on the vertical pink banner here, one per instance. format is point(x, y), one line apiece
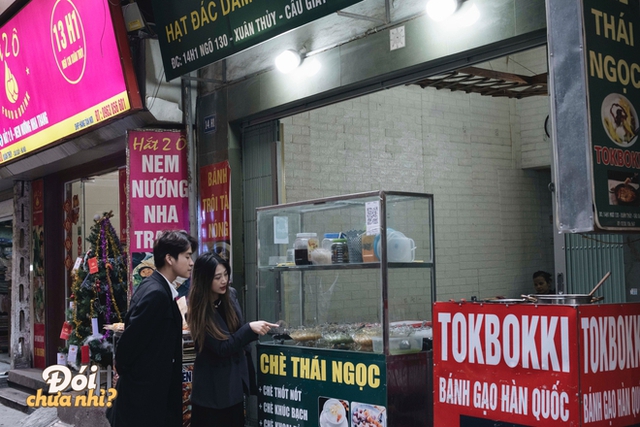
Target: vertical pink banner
point(158, 185)
point(37, 274)
point(215, 207)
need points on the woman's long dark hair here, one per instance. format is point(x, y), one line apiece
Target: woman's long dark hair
point(201, 318)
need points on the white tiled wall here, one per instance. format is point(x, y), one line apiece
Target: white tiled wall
point(479, 157)
point(532, 112)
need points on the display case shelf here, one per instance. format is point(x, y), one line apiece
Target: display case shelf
point(348, 266)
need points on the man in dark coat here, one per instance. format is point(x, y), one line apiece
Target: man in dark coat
point(149, 353)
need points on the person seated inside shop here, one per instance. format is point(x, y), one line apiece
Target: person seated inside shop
point(542, 283)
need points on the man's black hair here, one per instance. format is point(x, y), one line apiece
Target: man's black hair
point(172, 242)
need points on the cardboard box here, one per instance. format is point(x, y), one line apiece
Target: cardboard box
point(367, 249)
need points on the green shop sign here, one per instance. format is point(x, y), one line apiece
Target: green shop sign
point(304, 387)
point(613, 81)
point(195, 33)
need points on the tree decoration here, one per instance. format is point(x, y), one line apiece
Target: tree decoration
point(100, 292)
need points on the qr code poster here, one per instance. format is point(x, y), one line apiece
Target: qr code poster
point(372, 210)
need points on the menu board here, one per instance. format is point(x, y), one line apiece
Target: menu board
point(304, 387)
point(613, 85)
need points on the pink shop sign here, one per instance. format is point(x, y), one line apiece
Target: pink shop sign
point(158, 185)
point(63, 73)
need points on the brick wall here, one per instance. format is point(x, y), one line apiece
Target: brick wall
point(475, 154)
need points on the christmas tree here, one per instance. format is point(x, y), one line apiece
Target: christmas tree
point(99, 291)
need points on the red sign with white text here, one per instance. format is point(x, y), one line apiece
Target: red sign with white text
point(215, 205)
point(610, 364)
point(158, 185)
point(37, 194)
point(515, 363)
point(39, 360)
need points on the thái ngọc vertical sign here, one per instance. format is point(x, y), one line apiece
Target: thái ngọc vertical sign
point(613, 87)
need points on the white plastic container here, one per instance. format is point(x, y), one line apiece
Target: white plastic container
point(400, 248)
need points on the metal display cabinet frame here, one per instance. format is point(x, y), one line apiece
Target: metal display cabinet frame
point(396, 293)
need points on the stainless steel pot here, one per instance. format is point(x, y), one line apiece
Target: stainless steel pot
point(564, 299)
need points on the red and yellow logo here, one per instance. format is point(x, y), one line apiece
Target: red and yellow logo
point(18, 102)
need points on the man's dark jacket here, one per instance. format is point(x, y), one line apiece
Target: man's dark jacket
point(149, 360)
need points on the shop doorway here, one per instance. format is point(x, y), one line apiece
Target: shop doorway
point(86, 200)
point(260, 148)
point(6, 243)
point(474, 138)
point(477, 138)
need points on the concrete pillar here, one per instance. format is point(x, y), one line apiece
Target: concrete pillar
point(21, 322)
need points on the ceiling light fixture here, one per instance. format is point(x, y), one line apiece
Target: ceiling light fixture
point(439, 10)
point(312, 67)
point(468, 16)
point(288, 61)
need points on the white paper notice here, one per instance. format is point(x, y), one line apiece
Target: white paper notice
point(72, 357)
point(280, 230)
point(372, 212)
point(94, 326)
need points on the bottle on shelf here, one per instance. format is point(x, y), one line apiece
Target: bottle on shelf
point(304, 244)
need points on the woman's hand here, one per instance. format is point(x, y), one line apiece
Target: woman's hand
point(261, 327)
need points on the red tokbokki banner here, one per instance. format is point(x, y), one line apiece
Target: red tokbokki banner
point(609, 336)
point(515, 363)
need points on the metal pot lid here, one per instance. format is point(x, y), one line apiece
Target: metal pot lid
point(503, 300)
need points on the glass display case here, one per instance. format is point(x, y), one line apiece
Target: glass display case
point(351, 281)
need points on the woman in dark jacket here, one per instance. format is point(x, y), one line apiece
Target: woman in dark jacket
point(220, 373)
